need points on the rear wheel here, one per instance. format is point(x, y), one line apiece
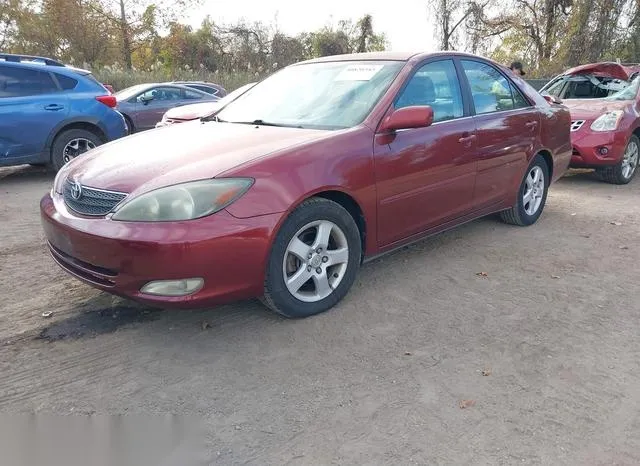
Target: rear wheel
point(70, 144)
point(314, 259)
point(129, 123)
point(532, 195)
point(624, 172)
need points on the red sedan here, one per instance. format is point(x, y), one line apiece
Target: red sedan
point(322, 165)
point(605, 110)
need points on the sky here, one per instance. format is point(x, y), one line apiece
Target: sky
point(408, 28)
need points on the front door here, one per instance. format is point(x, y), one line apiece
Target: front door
point(425, 176)
point(152, 105)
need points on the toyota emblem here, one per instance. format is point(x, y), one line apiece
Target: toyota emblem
point(76, 190)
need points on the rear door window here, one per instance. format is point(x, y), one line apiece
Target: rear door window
point(21, 82)
point(191, 95)
point(491, 91)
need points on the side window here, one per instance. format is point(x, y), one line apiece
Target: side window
point(147, 95)
point(20, 82)
point(47, 84)
point(208, 90)
point(519, 100)
point(66, 83)
point(490, 90)
point(435, 84)
point(169, 93)
point(160, 94)
point(190, 95)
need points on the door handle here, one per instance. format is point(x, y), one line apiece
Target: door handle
point(531, 125)
point(53, 107)
point(467, 139)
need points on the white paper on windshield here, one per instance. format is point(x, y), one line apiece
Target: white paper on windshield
point(358, 72)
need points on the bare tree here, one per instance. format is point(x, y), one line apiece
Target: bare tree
point(454, 17)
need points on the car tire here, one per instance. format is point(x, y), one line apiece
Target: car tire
point(532, 195)
point(301, 250)
point(130, 128)
point(64, 146)
point(625, 170)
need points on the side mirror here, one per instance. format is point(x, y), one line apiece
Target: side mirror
point(551, 99)
point(408, 117)
point(145, 99)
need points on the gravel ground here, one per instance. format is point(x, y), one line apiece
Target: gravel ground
point(535, 361)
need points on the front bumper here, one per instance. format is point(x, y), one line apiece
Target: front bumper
point(589, 148)
point(230, 254)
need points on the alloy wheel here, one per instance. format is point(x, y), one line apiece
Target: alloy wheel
point(630, 160)
point(76, 147)
point(533, 191)
point(315, 261)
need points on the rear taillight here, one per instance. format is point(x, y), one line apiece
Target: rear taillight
point(108, 100)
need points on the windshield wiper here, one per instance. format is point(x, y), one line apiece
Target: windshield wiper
point(264, 123)
point(213, 117)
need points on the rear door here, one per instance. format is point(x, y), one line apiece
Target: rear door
point(507, 127)
point(31, 105)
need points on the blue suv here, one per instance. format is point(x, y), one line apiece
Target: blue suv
point(51, 113)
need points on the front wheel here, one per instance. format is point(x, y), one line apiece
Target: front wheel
point(532, 195)
point(623, 172)
point(314, 259)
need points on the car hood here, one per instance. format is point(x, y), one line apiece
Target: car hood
point(604, 70)
point(588, 109)
point(193, 111)
point(181, 153)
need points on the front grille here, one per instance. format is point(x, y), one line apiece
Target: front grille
point(576, 125)
point(90, 201)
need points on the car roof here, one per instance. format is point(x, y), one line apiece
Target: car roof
point(392, 56)
point(144, 87)
point(37, 65)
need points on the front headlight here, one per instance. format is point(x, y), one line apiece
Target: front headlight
point(607, 122)
point(185, 201)
point(59, 180)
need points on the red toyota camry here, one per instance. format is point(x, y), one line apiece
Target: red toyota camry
point(322, 165)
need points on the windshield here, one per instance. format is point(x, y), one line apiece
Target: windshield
point(584, 87)
point(629, 93)
point(331, 95)
point(129, 92)
point(232, 95)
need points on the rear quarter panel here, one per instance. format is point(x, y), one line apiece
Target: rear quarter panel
point(341, 161)
point(555, 137)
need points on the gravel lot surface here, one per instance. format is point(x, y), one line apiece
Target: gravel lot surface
point(534, 361)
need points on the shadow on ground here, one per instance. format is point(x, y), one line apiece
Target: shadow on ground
point(96, 322)
point(97, 317)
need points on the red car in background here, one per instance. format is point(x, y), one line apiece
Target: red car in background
point(201, 110)
point(322, 165)
point(605, 111)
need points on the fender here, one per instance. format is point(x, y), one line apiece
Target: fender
point(69, 121)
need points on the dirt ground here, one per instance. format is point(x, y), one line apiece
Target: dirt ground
point(383, 378)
